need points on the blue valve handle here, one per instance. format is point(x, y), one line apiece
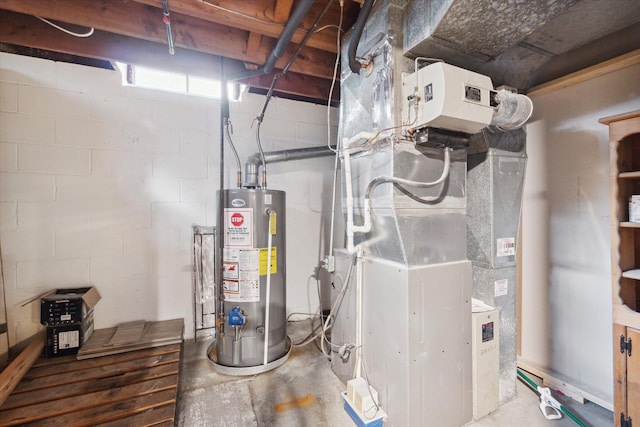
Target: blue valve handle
point(236, 318)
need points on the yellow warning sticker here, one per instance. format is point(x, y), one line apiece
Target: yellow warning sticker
point(263, 261)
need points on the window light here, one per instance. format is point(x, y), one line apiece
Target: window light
point(149, 78)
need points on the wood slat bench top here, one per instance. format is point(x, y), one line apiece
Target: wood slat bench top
point(134, 388)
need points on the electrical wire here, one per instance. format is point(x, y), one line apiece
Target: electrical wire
point(333, 79)
point(426, 59)
point(313, 335)
point(243, 15)
point(335, 166)
point(375, 404)
point(64, 30)
point(335, 308)
point(329, 26)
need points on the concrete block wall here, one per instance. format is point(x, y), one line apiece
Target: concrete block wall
point(100, 184)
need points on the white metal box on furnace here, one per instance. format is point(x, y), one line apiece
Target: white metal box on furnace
point(486, 359)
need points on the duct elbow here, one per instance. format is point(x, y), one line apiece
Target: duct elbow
point(251, 169)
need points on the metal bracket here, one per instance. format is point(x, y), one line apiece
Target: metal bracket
point(624, 421)
point(625, 345)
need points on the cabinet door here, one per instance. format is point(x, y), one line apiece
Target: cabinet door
point(633, 377)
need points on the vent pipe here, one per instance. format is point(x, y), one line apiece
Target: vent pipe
point(252, 165)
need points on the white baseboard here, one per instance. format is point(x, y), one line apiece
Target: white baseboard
point(557, 381)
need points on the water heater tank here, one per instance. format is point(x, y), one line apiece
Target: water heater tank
point(252, 217)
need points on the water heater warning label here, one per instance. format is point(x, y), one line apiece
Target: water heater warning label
point(241, 281)
point(238, 226)
point(264, 254)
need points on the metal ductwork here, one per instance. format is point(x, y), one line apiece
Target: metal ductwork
point(254, 161)
point(517, 43)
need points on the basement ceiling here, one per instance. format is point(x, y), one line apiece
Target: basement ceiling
point(543, 39)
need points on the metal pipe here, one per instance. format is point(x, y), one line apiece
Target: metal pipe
point(302, 44)
point(255, 160)
point(354, 65)
point(264, 162)
point(229, 130)
point(167, 23)
point(307, 36)
point(285, 38)
point(224, 116)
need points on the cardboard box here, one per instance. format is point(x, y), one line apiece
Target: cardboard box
point(68, 306)
point(66, 339)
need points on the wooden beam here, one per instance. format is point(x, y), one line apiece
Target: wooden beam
point(597, 70)
point(25, 30)
point(258, 16)
point(281, 10)
point(139, 21)
point(253, 43)
point(299, 85)
point(13, 373)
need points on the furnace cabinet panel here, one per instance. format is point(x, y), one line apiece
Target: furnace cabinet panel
point(416, 339)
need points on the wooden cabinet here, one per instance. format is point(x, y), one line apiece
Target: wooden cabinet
point(624, 154)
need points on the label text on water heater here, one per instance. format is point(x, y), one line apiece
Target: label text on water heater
point(238, 227)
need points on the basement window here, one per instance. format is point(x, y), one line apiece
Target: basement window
point(150, 78)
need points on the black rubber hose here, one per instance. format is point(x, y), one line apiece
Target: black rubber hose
point(281, 45)
point(354, 65)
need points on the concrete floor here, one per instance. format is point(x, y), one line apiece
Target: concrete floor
point(304, 392)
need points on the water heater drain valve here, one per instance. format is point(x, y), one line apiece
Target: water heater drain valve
point(236, 317)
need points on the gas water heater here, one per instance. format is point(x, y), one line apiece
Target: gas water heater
point(251, 324)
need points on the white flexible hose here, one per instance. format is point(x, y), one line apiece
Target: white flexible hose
point(366, 227)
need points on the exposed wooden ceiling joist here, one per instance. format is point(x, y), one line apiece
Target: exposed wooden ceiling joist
point(253, 43)
point(145, 22)
point(133, 31)
point(281, 10)
point(25, 30)
point(259, 16)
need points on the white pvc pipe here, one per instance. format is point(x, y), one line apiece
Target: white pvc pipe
point(349, 197)
point(333, 203)
point(359, 280)
point(346, 145)
point(268, 291)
